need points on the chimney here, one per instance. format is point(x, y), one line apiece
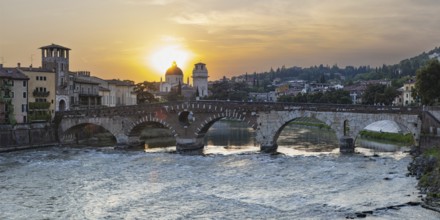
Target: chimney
point(18, 65)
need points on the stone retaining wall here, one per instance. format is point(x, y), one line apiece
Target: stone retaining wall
point(26, 135)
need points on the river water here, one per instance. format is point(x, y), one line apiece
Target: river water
point(235, 182)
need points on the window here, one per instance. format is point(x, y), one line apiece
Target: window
point(44, 78)
point(23, 108)
point(24, 94)
point(38, 78)
point(24, 83)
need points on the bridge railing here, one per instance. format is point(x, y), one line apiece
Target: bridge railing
point(240, 106)
point(321, 107)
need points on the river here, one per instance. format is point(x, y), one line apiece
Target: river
point(235, 182)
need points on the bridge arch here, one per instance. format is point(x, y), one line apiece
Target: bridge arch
point(134, 131)
point(411, 128)
point(74, 133)
point(208, 121)
point(315, 120)
point(270, 125)
point(115, 125)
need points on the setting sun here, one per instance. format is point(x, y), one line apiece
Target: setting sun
point(162, 58)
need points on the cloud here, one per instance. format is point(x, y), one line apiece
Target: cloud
point(329, 21)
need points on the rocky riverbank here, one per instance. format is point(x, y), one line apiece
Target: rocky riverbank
point(426, 168)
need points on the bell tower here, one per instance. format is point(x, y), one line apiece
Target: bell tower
point(200, 79)
point(56, 58)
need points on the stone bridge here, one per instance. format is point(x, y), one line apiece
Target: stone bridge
point(189, 121)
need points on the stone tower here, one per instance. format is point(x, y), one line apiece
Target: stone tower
point(56, 58)
point(200, 79)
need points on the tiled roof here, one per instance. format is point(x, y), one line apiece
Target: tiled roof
point(12, 73)
point(120, 83)
point(39, 69)
point(104, 89)
point(54, 46)
point(83, 81)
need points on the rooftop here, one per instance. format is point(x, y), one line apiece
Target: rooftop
point(12, 73)
point(174, 70)
point(83, 81)
point(120, 83)
point(54, 46)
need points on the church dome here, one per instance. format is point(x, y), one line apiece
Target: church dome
point(174, 70)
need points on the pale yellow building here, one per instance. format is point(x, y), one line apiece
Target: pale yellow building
point(13, 96)
point(121, 92)
point(42, 94)
point(407, 93)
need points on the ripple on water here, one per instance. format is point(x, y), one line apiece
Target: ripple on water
point(86, 183)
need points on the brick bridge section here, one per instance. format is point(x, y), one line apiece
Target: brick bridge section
point(189, 121)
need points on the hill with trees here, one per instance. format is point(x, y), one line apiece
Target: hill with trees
point(320, 73)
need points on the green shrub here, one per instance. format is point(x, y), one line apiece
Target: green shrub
point(394, 137)
point(319, 125)
point(39, 105)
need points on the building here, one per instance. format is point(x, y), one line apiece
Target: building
point(121, 92)
point(263, 97)
point(56, 58)
point(78, 90)
point(356, 92)
point(173, 78)
point(13, 96)
point(85, 94)
point(398, 100)
point(174, 82)
point(42, 94)
point(111, 92)
point(408, 87)
point(200, 79)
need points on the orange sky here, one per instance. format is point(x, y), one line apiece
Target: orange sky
point(118, 38)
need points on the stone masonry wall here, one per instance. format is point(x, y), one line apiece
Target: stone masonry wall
point(26, 135)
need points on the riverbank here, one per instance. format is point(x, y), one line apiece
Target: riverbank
point(426, 168)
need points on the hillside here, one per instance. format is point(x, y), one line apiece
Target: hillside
point(321, 73)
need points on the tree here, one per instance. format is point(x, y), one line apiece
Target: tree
point(173, 96)
point(379, 94)
point(428, 82)
point(143, 92)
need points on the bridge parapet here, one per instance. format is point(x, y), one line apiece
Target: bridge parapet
point(217, 106)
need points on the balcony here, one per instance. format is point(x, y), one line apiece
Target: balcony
point(37, 93)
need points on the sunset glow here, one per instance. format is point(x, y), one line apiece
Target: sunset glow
point(162, 58)
point(139, 39)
